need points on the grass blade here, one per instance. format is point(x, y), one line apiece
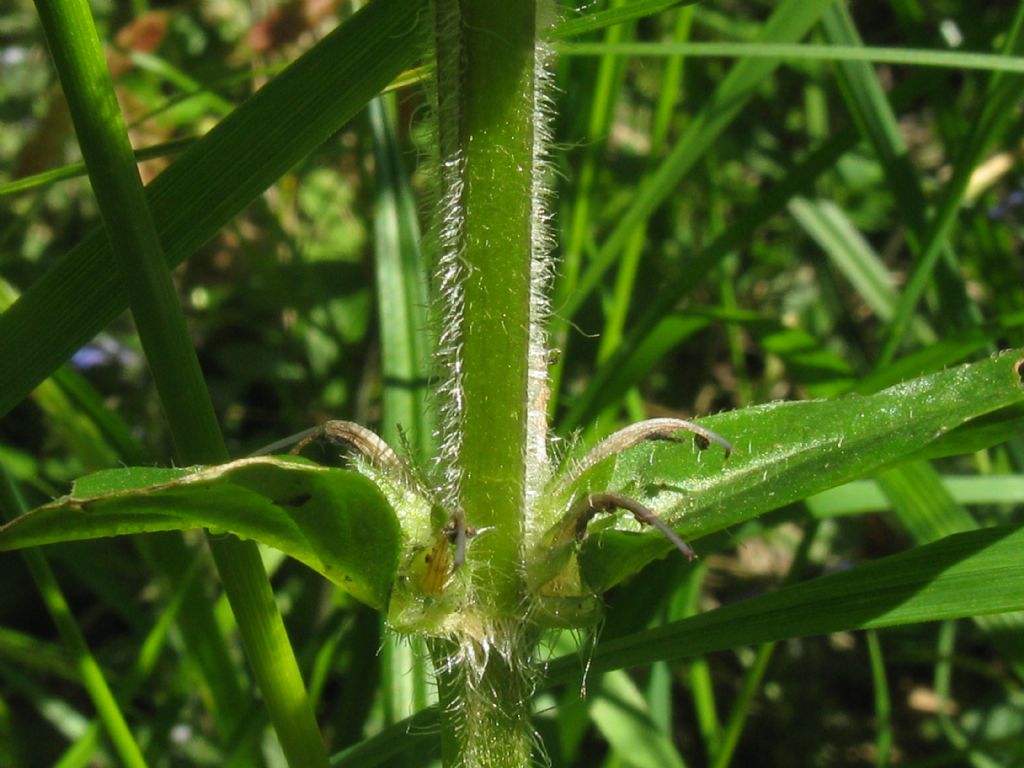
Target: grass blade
point(592, 22)
point(929, 512)
point(619, 711)
point(401, 287)
point(89, 669)
point(968, 574)
point(803, 52)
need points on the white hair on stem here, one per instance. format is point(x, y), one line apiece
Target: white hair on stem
point(538, 467)
point(450, 268)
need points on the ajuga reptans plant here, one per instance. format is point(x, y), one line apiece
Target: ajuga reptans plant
point(482, 549)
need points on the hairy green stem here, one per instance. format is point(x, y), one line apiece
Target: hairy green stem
point(491, 274)
point(487, 134)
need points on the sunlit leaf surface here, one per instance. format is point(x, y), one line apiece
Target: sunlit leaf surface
point(333, 520)
point(789, 450)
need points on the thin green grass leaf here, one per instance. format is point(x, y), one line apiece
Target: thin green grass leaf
point(94, 681)
point(929, 512)
point(726, 745)
point(161, 68)
point(849, 251)
point(883, 703)
point(73, 170)
point(622, 716)
point(863, 496)
point(402, 298)
point(30, 652)
point(593, 22)
point(968, 574)
point(958, 60)
point(388, 745)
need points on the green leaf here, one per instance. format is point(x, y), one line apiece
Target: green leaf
point(967, 574)
point(335, 521)
point(929, 511)
point(786, 452)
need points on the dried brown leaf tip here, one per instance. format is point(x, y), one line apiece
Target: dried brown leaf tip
point(353, 437)
point(595, 503)
point(651, 429)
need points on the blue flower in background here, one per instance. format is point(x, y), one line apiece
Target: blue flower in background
point(104, 350)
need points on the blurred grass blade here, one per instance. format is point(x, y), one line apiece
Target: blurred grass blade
point(883, 703)
point(622, 716)
point(863, 496)
point(210, 183)
point(333, 520)
point(388, 745)
point(592, 22)
point(726, 746)
point(923, 504)
point(854, 257)
point(849, 251)
point(787, 451)
point(402, 301)
point(215, 104)
point(73, 170)
point(401, 287)
point(800, 52)
point(929, 512)
point(107, 706)
point(967, 574)
point(875, 118)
